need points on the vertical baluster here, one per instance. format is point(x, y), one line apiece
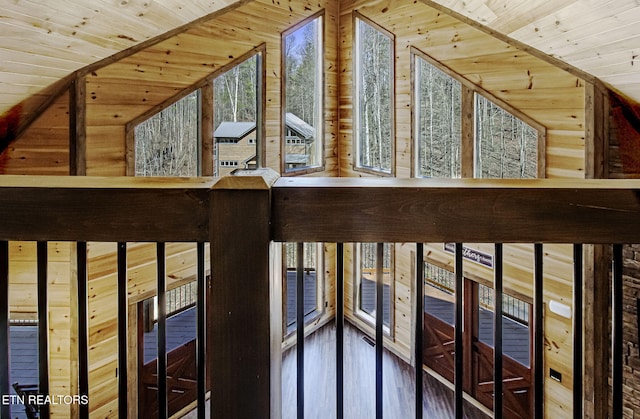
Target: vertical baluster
point(83, 327)
point(418, 338)
point(122, 330)
point(43, 327)
point(379, 325)
point(538, 336)
point(617, 338)
point(577, 331)
point(340, 331)
point(5, 409)
point(497, 332)
point(200, 324)
point(162, 332)
point(300, 327)
point(459, 360)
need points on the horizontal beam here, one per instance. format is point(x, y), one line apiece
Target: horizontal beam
point(325, 209)
point(104, 209)
point(456, 210)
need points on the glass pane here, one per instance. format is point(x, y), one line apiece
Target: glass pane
point(439, 293)
point(374, 84)
point(166, 144)
point(303, 97)
point(311, 283)
point(506, 147)
point(516, 335)
point(438, 122)
point(368, 277)
point(236, 118)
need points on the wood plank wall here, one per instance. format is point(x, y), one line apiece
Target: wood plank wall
point(44, 150)
point(552, 97)
point(120, 92)
point(44, 43)
point(44, 147)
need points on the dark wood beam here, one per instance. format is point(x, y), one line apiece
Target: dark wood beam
point(471, 210)
point(104, 209)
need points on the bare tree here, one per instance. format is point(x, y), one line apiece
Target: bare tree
point(166, 144)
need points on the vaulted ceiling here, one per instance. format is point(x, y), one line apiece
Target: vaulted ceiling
point(600, 37)
point(43, 42)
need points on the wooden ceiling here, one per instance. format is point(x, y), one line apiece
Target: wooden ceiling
point(600, 37)
point(43, 42)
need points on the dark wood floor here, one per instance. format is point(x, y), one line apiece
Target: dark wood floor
point(359, 397)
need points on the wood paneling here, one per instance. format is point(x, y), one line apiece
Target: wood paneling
point(120, 92)
point(123, 91)
point(44, 148)
point(44, 42)
point(597, 38)
point(23, 304)
point(141, 272)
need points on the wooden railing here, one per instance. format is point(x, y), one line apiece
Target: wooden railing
point(242, 216)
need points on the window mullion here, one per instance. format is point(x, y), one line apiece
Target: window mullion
point(468, 142)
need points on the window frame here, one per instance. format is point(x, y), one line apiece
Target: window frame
point(356, 17)
point(468, 123)
point(389, 331)
point(320, 78)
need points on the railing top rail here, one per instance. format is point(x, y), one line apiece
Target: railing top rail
point(105, 182)
point(462, 210)
point(104, 209)
point(325, 209)
point(460, 184)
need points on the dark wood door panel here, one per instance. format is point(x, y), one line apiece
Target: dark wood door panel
point(182, 384)
point(439, 347)
point(517, 385)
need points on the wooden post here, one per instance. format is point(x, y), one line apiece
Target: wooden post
point(77, 127)
point(597, 294)
point(206, 130)
point(245, 316)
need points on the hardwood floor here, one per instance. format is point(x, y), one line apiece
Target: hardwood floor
point(359, 393)
point(359, 385)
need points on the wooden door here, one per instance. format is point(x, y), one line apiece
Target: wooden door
point(439, 346)
point(516, 340)
point(182, 384)
point(516, 379)
point(439, 355)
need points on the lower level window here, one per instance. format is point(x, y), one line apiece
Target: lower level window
point(368, 269)
point(312, 278)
